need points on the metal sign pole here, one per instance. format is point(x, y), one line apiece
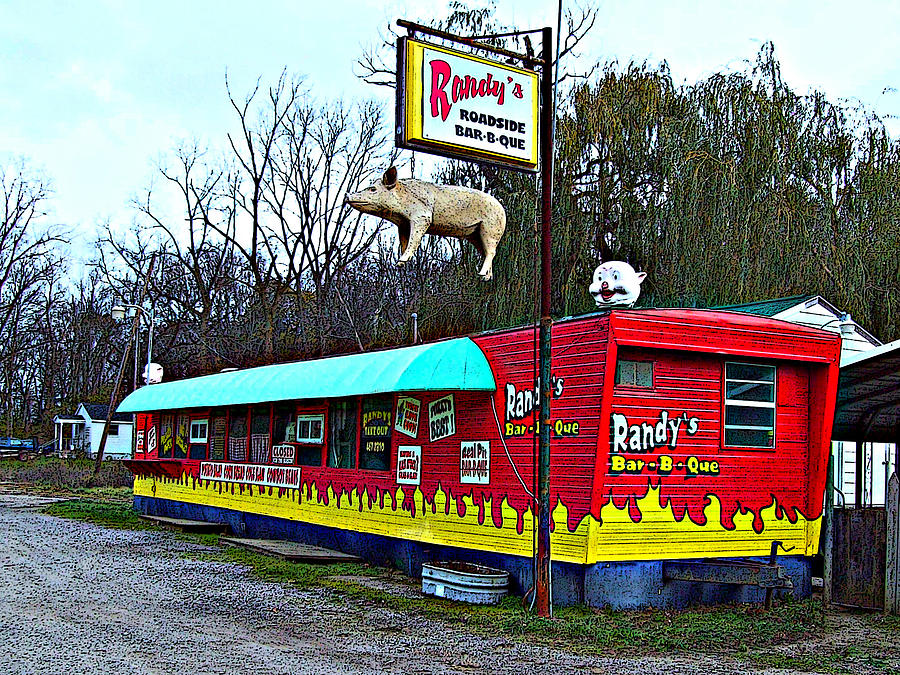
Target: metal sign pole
point(542, 567)
point(411, 136)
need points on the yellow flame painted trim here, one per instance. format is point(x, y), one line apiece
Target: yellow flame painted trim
point(658, 536)
point(617, 538)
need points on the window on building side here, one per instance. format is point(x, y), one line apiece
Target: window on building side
point(283, 425)
point(113, 429)
point(259, 435)
point(237, 436)
point(166, 436)
point(749, 405)
point(199, 431)
point(342, 433)
point(303, 433)
point(216, 433)
point(634, 373)
point(310, 428)
point(182, 423)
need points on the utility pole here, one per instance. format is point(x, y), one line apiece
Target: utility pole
point(542, 567)
point(113, 399)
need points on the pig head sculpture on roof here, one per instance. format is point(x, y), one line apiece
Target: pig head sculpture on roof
point(419, 208)
point(616, 284)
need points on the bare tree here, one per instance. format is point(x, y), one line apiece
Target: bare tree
point(377, 65)
point(28, 263)
point(297, 161)
point(197, 272)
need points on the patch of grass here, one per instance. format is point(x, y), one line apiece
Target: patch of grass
point(65, 475)
point(848, 659)
point(888, 622)
point(715, 629)
point(808, 663)
point(105, 513)
point(741, 629)
point(122, 495)
point(207, 539)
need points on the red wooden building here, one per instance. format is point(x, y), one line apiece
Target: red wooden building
point(678, 435)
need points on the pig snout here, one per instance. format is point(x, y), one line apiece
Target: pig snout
point(602, 291)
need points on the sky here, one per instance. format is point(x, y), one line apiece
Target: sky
point(95, 94)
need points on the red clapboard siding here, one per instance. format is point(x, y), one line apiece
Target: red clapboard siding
point(689, 349)
point(721, 332)
point(577, 366)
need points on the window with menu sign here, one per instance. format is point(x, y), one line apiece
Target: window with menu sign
point(375, 433)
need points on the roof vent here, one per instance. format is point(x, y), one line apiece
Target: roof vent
point(846, 324)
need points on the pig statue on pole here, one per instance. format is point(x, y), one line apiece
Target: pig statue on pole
point(419, 208)
point(616, 284)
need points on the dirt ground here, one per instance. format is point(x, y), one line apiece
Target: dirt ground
point(77, 598)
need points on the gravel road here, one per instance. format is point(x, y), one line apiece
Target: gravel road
point(77, 598)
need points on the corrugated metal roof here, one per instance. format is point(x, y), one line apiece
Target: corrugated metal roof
point(868, 401)
point(448, 365)
point(767, 307)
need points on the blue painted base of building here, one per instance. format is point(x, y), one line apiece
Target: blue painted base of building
point(617, 585)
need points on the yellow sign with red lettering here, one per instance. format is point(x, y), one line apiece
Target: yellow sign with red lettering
point(459, 105)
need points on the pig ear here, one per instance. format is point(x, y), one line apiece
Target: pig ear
point(390, 178)
point(641, 276)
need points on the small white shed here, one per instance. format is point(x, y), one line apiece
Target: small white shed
point(80, 434)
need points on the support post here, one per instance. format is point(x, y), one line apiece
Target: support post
point(828, 530)
point(542, 553)
point(541, 505)
point(896, 457)
point(859, 483)
point(892, 562)
point(137, 351)
point(150, 341)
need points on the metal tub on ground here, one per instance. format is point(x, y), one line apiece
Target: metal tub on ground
point(678, 435)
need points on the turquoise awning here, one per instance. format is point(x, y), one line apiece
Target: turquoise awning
point(449, 365)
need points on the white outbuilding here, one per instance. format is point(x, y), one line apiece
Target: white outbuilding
point(80, 434)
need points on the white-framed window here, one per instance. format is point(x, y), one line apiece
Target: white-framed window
point(635, 373)
point(113, 429)
point(199, 431)
point(749, 405)
point(310, 428)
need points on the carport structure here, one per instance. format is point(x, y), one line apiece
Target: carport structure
point(868, 403)
point(862, 544)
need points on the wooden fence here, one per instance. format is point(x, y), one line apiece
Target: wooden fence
point(892, 553)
